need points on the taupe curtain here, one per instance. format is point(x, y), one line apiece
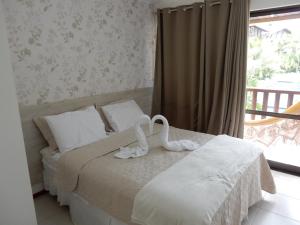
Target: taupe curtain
point(200, 73)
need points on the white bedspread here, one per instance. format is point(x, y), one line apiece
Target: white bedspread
point(193, 190)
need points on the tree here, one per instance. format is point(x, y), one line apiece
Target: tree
point(289, 50)
point(270, 55)
point(260, 66)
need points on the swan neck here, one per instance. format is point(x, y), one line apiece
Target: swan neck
point(165, 129)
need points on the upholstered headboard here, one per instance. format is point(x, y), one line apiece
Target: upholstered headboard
point(34, 141)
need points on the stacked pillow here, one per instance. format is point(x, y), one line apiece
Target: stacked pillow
point(71, 130)
point(122, 115)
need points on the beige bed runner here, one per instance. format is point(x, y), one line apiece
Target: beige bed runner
point(112, 184)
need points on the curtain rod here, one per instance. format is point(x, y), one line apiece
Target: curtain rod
point(192, 6)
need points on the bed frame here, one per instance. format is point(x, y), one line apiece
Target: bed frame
point(34, 141)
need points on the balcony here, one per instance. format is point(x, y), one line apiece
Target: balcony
point(273, 120)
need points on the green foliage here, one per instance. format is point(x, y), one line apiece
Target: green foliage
point(289, 51)
point(260, 65)
point(271, 55)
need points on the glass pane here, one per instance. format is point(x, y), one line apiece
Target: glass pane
point(273, 86)
point(274, 66)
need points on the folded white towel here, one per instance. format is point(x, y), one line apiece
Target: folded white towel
point(127, 153)
point(143, 148)
point(180, 145)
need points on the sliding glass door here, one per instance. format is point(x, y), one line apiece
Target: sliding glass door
point(273, 86)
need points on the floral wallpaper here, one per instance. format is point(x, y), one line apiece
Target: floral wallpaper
point(74, 48)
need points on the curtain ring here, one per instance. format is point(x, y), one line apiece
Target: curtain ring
point(172, 10)
point(188, 8)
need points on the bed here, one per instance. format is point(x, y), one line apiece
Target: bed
point(160, 188)
point(120, 180)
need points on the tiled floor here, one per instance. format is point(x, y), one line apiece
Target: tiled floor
point(280, 209)
point(48, 211)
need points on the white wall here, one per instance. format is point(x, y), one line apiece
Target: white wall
point(16, 203)
point(254, 5)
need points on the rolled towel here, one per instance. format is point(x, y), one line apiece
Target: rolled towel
point(127, 153)
point(143, 147)
point(180, 145)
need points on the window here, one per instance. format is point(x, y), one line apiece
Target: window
point(273, 84)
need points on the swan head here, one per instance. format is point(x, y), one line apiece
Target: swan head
point(158, 117)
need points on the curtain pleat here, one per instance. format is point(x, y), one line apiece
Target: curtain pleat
point(177, 69)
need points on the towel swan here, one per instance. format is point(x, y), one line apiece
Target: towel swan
point(139, 133)
point(142, 148)
point(177, 146)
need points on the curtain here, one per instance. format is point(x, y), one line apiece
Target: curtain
point(200, 73)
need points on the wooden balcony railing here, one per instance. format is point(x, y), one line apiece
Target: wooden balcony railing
point(263, 112)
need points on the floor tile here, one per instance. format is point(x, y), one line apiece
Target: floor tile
point(281, 205)
point(58, 219)
point(251, 216)
point(48, 211)
point(264, 217)
point(45, 207)
point(287, 184)
point(289, 188)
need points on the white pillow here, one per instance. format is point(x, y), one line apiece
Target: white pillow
point(76, 129)
point(122, 116)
